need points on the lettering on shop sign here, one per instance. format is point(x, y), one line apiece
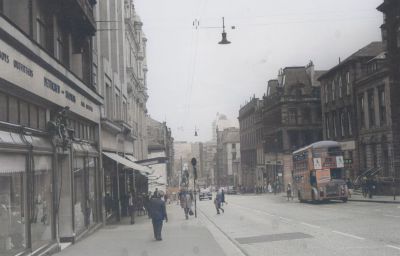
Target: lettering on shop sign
point(87, 106)
point(4, 57)
point(51, 85)
point(24, 69)
point(70, 96)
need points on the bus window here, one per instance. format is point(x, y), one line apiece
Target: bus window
point(313, 179)
point(336, 173)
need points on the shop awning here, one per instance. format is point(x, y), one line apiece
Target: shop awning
point(129, 164)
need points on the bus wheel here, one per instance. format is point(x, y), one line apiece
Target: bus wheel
point(344, 199)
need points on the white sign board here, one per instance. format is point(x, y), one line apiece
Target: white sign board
point(317, 163)
point(339, 162)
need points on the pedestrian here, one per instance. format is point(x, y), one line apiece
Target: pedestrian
point(158, 214)
point(218, 202)
point(349, 185)
point(269, 188)
point(131, 206)
point(186, 199)
point(289, 191)
point(222, 197)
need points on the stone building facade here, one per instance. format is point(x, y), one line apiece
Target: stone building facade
point(291, 119)
point(250, 130)
point(339, 105)
point(391, 40)
point(50, 171)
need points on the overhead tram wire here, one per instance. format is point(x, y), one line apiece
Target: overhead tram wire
point(193, 61)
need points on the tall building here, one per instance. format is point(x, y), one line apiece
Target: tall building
point(50, 172)
point(250, 138)
point(120, 68)
point(227, 156)
point(391, 39)
point(291, 118)
point(343, 105)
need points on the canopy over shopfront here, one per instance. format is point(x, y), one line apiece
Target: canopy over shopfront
point(129, 164)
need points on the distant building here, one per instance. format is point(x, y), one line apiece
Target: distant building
point(160, 145)
point(291, 118)
point(250, 138)
point(227, 156)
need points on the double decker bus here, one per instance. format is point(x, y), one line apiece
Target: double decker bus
point(318, 172)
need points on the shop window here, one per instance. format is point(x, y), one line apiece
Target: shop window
point(41, 231)
point(3, 107)
point(13, 110)
point(23, 113)
point(79, 194)
point(42, 118)
point(33, 116)
point(12, 204)
point(92, 191)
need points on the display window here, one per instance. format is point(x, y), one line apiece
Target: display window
point(41, 203)
point(12, 203)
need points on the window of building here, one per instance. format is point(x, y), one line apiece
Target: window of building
point(233, 145)
point(334, 124)
point(348, 83)
point(23, 113)
point(333, 90)
point(3, 107)
point(109, 105)
point(94, 76)
point(349, 120)
point(292, 116)
point(33, 116)
point(62, 50)
point(382, 106)
point(371, 108)
point(117, 109)
point(327, 128)
point(340, 87)
point(233, 155)
point(362, 114)
point(326, 93)
point(342, 123)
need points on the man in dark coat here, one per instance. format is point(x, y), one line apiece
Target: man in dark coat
point(157, 213)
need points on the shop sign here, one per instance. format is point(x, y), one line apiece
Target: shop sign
point(23, 72)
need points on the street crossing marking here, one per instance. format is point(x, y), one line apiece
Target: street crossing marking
point(309, 225)
point(348, 235)
point(394, 216)
point(393, 247)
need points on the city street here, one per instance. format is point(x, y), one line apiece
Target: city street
point(269, 225)
point(256, 225)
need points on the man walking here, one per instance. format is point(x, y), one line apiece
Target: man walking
point(218, 202)
point(158, 213)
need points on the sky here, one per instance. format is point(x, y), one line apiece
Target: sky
point(191, 77)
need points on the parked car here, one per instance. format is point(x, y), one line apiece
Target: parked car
point(205, 194)
point(231, 190)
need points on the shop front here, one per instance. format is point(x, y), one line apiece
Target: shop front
point(122, 178)
point(26, 194)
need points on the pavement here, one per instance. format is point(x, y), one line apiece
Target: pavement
point(180, 237)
